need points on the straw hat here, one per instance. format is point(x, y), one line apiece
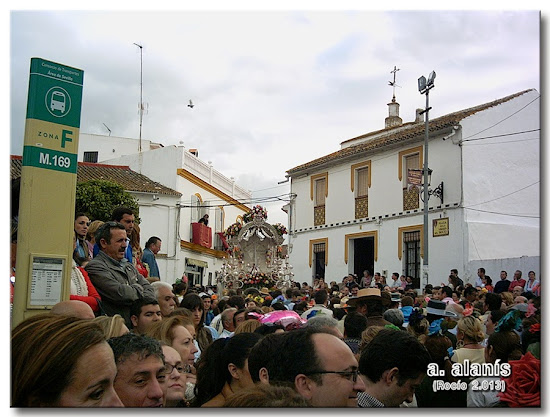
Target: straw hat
point(365, 294)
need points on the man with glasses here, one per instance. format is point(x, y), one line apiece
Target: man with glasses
point(393, 366)
point(116, 280)
point(317, 365)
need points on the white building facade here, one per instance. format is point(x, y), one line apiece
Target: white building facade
point(354, 210)
point(204, 191)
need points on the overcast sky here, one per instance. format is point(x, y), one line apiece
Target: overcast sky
point(272, 89)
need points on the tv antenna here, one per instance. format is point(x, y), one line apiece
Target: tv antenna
point(140, 93)
point(393, 84)
point(107, 128)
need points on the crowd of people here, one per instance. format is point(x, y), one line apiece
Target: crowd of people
point(123, 340)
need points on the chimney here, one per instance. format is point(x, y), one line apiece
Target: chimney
point(393, 118)
point(419, 116)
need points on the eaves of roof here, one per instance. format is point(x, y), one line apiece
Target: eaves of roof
point(386, 138)
point(119, 174)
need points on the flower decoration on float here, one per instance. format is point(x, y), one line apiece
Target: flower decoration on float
point(233, 230)
point(280, 228)
point(258, 279)
point(257, 210)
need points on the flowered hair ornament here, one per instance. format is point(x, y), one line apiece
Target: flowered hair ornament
point(510, 321)
point(416, 316)
point(435, 328)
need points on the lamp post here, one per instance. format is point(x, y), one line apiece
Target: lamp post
point(424, 87)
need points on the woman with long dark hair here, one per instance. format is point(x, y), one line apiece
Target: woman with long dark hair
point(223, 369)
point(205, 335)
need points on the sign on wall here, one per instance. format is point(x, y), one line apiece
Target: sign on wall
point(441, 227)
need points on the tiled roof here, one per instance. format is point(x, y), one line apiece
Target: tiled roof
point(122, 175)
point(395, 135)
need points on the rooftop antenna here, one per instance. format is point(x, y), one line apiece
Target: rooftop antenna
point(140, 93)
point(107, 128)
point(393, 84)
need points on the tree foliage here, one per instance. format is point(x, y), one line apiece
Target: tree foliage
point(98, 199)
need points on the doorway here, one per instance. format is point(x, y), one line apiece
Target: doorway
point(363, 255)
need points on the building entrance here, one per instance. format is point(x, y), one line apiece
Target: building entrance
point(363, 255)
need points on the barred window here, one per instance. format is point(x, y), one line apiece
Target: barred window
point(318, 247)
point(91, 157)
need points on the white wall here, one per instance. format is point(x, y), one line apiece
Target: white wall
point(445, 252)
point(386, 191)
point(158, 218)
point(501, 175)
point(109, 147)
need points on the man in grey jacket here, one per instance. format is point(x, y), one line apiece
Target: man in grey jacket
point(116, 280)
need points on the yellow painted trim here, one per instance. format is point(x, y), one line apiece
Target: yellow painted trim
point(357, 166)
point(199, 197)
point(316, 177)
point(313, 242)
point(401, 230)
point(373, 233)
point(201, 249)
point(211, 189)
point(419, 150)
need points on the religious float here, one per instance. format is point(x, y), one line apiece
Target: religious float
point(255, 254)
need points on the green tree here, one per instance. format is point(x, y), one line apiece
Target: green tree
point(98, 199)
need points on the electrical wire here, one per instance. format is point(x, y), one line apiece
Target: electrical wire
point(501, 143)
point(502, 135)
point(534, 216)
point(506, 118)
point(503, 196)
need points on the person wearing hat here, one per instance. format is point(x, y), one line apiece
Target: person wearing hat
point(369, 302)
point(437, 310)
point(395, 300)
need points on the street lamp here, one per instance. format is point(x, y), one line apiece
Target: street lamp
point(424, 87)
point(437, 191)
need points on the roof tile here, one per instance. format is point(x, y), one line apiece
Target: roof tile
point(398, 134)
point(122, 175)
